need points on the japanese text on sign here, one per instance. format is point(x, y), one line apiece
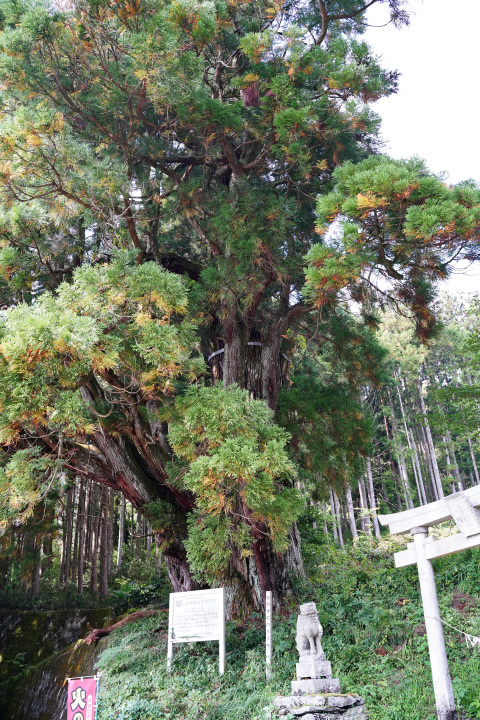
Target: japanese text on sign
point(195, 618)
point(81, 697)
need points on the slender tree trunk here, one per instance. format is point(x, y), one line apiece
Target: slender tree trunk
point(74, 563)
point(392, 463)
point(367, 527)
point(69, 533)
point(95, 541)
point(82, 522)
point(88, 522)
point(475, 469)
point(104, 544)
point(138, 535)
point(37, 567)
point(121, 532)
point(436, 472)
point(325, 524)
point(428, 462)
point(371, 497)
point(455, 464)
point(110, 529)
point(417, 483)
point(423, 494)
point(338, 516)
point(334, 517)
point(400, 455)
point(351, 512)
point(132, 531)
point(449, 464)
point(158, 555)
point(62, 524)
point(148, 552)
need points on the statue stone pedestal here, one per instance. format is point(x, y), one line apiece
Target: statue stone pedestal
point(315, 694)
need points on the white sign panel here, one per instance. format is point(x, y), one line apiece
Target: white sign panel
point(197, 616)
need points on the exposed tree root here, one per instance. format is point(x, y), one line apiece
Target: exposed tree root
point(97, 633)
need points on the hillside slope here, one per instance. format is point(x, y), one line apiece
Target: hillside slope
point(373, 634)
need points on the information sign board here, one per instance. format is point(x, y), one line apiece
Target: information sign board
point(197, 616)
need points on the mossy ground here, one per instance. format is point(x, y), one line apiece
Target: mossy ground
point(373, 635)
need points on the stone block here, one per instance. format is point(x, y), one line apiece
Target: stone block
point(358, 712)
point(304, 709)
point(344, 701)
point(313, 666)
point(315, 685)
point(293, 701)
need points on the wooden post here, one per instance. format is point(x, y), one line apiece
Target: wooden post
point(221, 634)
point(268, 635)
point(442, 684)
point(170, 638)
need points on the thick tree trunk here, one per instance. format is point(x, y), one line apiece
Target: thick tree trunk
point(137, 467)
point(234, 354)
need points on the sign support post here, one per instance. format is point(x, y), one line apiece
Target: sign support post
point(170, 634)
point(442, 683)
point(221, 634)
point(268, 635)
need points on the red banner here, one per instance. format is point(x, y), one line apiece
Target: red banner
point(81, 698)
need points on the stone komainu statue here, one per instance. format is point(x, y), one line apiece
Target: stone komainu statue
point(309, 631)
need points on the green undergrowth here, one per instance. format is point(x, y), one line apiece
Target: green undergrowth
point(373, 635)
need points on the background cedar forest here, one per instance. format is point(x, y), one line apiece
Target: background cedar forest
point(223, 340)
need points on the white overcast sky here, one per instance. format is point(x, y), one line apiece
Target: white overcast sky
point(435, 114)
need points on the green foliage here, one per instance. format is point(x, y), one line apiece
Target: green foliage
point(398, 220)
point(26, 477)
point(239, 472)
point(118, 321)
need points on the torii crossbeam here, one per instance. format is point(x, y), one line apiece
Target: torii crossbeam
point(462, 507)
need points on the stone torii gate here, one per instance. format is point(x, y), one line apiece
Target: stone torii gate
point(462, 507)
